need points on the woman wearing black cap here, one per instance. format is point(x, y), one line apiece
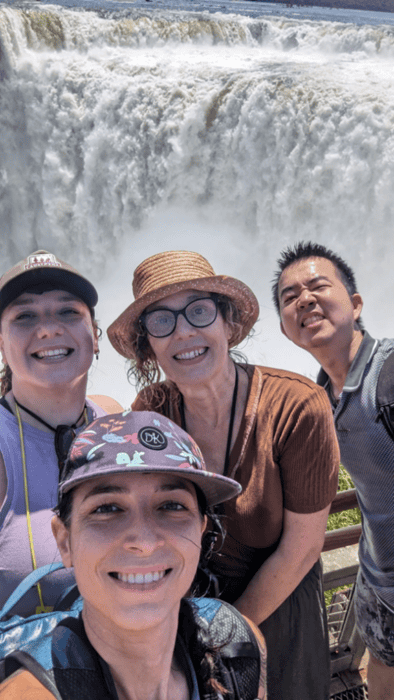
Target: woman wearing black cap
point(47, 341)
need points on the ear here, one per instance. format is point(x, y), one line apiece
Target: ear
point(357, 305)
point(204, 524)
point(62, 537)
point(95, 339)
point(229, 330)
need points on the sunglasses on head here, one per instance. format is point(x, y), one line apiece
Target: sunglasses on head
point(162, 321)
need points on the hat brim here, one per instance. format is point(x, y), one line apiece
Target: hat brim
point(60, 278)
point(122, 330)
point(215, 487)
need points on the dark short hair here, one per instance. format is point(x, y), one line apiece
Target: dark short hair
point(303, 250)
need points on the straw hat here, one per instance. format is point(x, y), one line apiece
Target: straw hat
point(175, 271)
point(141, 442)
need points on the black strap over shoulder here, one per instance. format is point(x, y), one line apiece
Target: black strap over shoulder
point(385, 395)
point(238, 654)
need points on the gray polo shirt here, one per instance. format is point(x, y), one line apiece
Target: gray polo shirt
point(367, 452)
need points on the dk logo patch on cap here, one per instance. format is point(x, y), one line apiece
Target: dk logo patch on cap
point(152, 438)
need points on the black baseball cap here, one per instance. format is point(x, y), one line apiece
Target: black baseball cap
point(42, 271)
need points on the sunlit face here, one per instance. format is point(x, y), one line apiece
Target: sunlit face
point(134, 541)
point(191, 355)
point(315, 306)
point(47, 339)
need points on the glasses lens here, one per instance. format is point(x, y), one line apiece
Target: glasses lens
point(201, 312)
point(160, 323)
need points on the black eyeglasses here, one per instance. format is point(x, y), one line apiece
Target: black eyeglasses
point(162, 322)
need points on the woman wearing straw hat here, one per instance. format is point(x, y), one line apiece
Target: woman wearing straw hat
point(134, 501)
point(269, 429)
point(48, 337)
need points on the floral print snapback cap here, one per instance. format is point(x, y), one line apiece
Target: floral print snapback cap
point(141, 441)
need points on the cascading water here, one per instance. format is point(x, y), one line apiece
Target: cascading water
point(127, 132)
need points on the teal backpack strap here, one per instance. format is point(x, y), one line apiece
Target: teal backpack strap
point(385, 395)
point(17, 631)
point(26, 584)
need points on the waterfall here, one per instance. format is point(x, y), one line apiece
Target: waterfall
point(127, 132)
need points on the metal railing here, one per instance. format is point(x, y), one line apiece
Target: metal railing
point(346, 645)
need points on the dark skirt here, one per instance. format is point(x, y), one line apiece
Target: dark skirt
point(298, 657)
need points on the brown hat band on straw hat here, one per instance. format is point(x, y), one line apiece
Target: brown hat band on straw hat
point(175, 271)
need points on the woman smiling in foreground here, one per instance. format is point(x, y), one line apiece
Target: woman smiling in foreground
point(134, 499)
point(269, 429)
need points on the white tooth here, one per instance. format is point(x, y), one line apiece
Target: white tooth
point(189, 355)
point(52, 353)
point(141, 578)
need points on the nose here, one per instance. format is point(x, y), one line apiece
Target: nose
point(305, 299)
point(49, 327)
point(183, 328)
point(142, 534)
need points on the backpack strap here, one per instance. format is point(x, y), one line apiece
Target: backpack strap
point(385, 395)
point(26, 584)
point(64, 662)
point(242, 658)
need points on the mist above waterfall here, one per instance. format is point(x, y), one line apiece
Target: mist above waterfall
point(126, 133)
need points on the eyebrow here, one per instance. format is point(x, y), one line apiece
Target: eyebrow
point(101, 489)
point(34, 297)
point(291, 287)
point(192, 297)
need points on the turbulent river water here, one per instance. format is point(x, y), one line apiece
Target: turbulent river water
point(232, 128)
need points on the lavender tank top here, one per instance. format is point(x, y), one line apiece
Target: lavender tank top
point(42, 476)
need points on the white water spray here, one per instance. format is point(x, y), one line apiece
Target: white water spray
point(130, 133)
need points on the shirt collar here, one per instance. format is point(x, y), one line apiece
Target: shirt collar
point(355, 374)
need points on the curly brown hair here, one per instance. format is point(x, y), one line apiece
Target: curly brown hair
point(5, 380)
point(145, 369)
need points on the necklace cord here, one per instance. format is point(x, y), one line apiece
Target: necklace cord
point(41, 420)
point(28, 518)
point(41, 608)
point(230, 425)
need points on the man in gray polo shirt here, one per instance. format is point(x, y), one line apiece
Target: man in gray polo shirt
point(316, 296)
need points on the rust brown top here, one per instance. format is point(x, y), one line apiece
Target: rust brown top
point(285, 456)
